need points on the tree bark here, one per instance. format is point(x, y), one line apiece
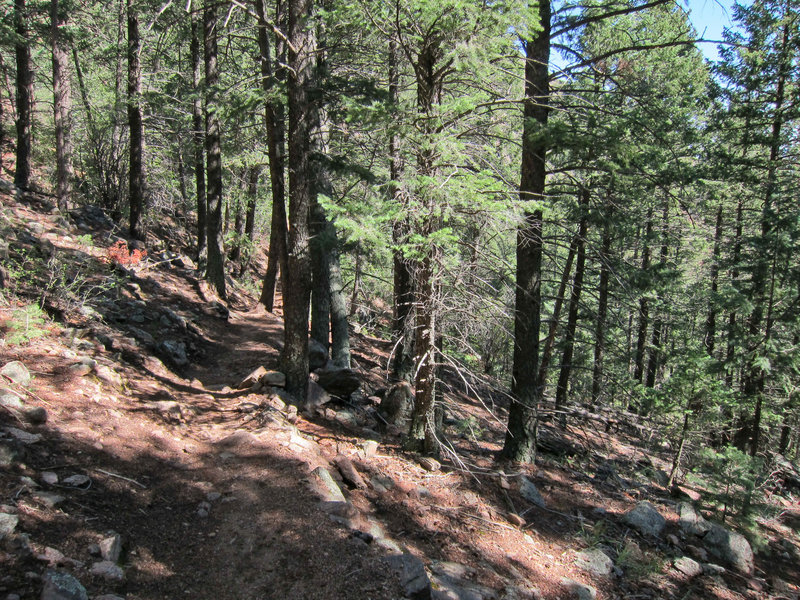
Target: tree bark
point(135, 125)
point(215, 270)
point(296, 278)
point(198, 138)
point(61, 106)
point(24, 96)
point(574, 303)
point(274, 120)
point(520, 442)
point(658, 325)
point(711, 318)
point(602, 308)
point(644, 306)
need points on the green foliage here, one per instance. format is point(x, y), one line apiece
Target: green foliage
point(26, 323)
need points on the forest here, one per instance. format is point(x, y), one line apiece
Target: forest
point(560, 205)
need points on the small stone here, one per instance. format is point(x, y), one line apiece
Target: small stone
point(323, 485)
point(757, 585)
point(10, 400)
point(108, 375)
point(8, 523)
point(687, 566)
point(111, 547)
point(579, 590)
point(109, 597)
point(429, 464)
point(252, 378)
point(273, 379)
point(370, 448)
point(49, 477)
point(411, 573)
point(94, 549)
point(515, 519)
point(213, 496)
point(645, 519)
point(77, 480)
point(62, 586)
point(52, 556)
point(49, 499)
point(24, 436)
point(16, 372)
point(528, 490)
point(107, 570)
point(595, 561)
point(712, 569)
point(80, 369)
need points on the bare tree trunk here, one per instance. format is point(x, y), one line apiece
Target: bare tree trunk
point(658, 325)
point(61, 107)
point(296, 278)
point(520, 442)
point(574, 303)
point(602, 308)
point(711, 319)
point(215, 271)
point(644, 307)
point(24, 96)
point(198, 138)
point(273, 117)
point(136, 173)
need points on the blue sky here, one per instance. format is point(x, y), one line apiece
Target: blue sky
point(709, 17)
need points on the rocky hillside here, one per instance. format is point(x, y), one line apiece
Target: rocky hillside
point(149, 452)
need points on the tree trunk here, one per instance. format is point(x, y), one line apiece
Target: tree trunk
point(198, 137)
point(520, 442)
point(711, 319)
point(644, 306)
point(61, 107)
point(658, 325)
point(135, 126)
point(252, 200)
point(215, 271)
point(296, 278)
point(574, 303)
point(602, 308)
point(274, 120)
point(403, 293)
point(24, 93)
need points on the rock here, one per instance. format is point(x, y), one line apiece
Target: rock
point(109, 597)
point(690, 521)
point(62, 586)
point(579, 590)
point(23, 436)
point(49, 477)
point(252, 378)
point(94, 549)
point(528, 491)
point(16, 372)
point(370, 448)
point(168, 408)
point(316, 396)
point(673, 539)
point(142, 336)
point(338, 382)
point(80, 369)
point(10, 400)
point(107, 374)
point(411, 574)
point(273, 379)
point(687, 566)
point(395, 408)
point(111, 547)
point(9, 454)
point(712, 569)
point(77, 480)
point(349, 472)
point(107, 570)
point(645, 519)
point(175, 352)
point(515, 519)
point(317, 355)
point(49, 499)
point(52, 556)
point(324, 486)
point(429, 464)
point(595, 561)
point(682, 491)
point(35, 415)
point(730, 547)
point(697, 553)
point(8, 523)
point(450, 581)
point(381, 483)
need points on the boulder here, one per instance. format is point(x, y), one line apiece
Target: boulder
point(578, 590)
point(107, 570)
point(8, 523)
point(62, 586)
point(16, 372)
point(731, 548)
point(316, 396)
point(645, 519)
point(395, 408)
point(595, 561)
point(338, 382)
point(175, 352)
point(411, 574)
point(687, 566)
point(324, 486)
point(317, 355)
point(528, 491)
point(690, 521)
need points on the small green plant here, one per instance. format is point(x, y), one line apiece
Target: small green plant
point(26, 323)
point(469, 427)
point(638, 563)
point(85, 240)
